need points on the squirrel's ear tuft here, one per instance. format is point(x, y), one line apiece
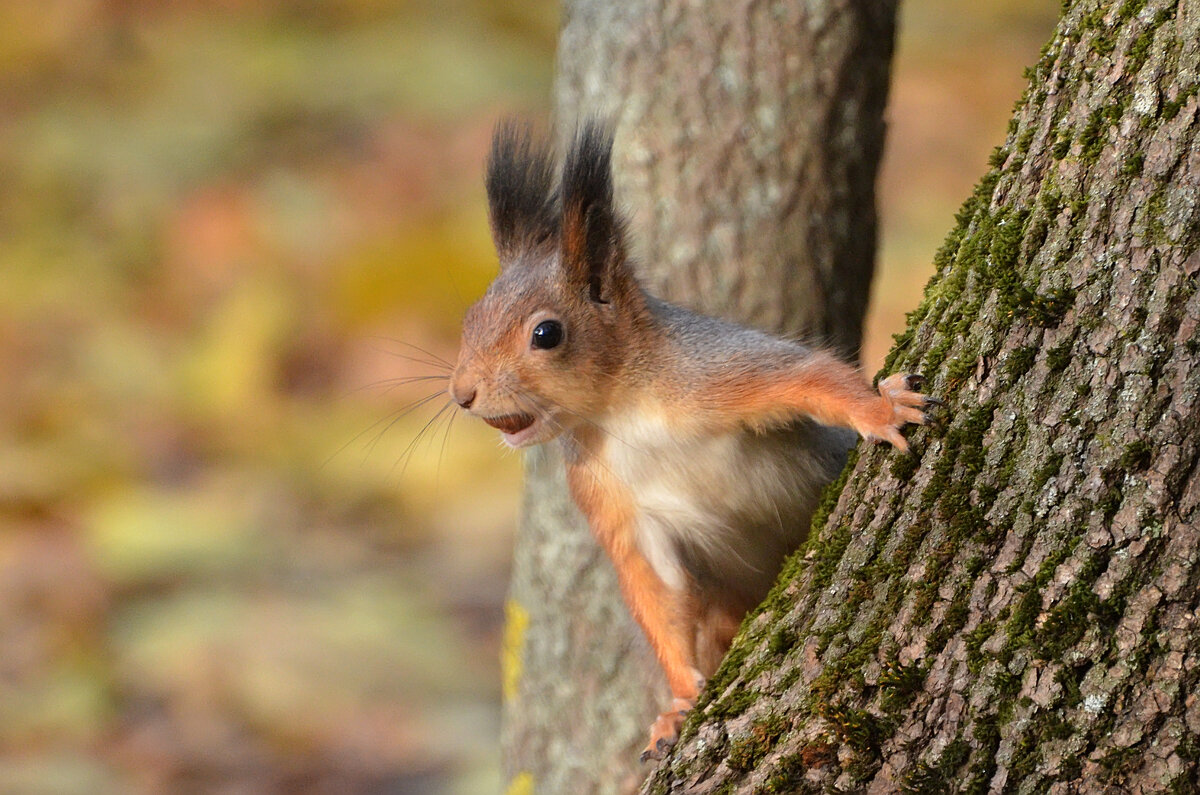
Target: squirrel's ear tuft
point(593, 246)
point(520, 189)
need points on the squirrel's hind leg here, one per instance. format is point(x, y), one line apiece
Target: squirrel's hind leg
point(715, 629)
point(665, 729)
point(666, 614)
point(714, 626)
point(683, 674)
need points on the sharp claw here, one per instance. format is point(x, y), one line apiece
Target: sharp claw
point(660, 749)
point(914, 381)
point(932, 401)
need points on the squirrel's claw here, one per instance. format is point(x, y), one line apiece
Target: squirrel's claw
point(665, 730)
point(661, 748)
point(902, 405)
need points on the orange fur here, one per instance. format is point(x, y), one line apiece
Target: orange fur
point(662, 613)
point(824, 388)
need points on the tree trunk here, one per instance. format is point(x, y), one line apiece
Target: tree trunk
point(747, 141)
point(1014, 609)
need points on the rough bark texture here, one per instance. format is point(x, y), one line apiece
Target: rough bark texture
point(1014, 609)
point(747, 141)
point(749, 135)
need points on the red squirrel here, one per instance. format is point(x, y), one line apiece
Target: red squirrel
point(695, 447)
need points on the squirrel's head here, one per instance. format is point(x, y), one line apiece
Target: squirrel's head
point(543, 350)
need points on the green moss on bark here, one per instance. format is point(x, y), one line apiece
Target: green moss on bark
point(989, 479)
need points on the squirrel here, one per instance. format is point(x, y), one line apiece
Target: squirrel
point(695, 447)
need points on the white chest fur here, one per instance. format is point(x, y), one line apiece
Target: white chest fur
point(663, 471)
point(715, 507)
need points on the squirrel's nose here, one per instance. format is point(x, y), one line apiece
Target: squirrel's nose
point(464, 388)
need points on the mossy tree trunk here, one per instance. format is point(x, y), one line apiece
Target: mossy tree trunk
point(747, 141)
point(1015, 608)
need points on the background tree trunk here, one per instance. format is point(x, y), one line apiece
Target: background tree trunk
point(747, 140)
point(1015, 607)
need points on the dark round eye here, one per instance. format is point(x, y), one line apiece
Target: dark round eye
point(547, 334)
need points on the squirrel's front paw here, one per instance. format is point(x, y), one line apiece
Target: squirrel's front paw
point(902, 404)
point(665, 730)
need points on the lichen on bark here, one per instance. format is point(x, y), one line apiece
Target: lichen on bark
point(1013, 608)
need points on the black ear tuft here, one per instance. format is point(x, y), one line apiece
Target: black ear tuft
point(520, 190)
point(592, 238)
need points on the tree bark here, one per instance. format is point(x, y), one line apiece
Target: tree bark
point(747, 141)
point(1014, 608)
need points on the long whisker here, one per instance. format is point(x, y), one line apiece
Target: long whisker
point(393, 383)
point(394, 416)
point(436, 365)
point(442, 450)
point(407, 452)
point(431, 357)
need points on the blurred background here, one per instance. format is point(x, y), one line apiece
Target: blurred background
point(230, 561)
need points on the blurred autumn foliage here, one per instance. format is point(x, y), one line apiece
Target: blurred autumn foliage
point(229, 560)
point(223, 225)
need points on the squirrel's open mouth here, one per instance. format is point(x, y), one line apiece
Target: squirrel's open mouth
point(511, 423)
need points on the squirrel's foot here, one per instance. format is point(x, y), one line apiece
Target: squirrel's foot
point(903, 404)
point(665, 730)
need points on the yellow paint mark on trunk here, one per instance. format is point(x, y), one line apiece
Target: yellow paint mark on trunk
point(516, 622)
point(521, 784)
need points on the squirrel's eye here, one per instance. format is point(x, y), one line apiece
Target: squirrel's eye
point(547, 334)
